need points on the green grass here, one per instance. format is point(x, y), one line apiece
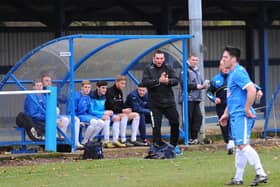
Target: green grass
point(193, 169)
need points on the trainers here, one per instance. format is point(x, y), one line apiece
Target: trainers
point(178, 150)
point(109, 145)
point(84, 141)
point(128, 144)
point(233, 181)
point(259, 179)
point(230, 144)
point(230, 151)
point(34, 133)
point(193, 142)
point(119, 144)
point(146, 142)
point(79, 146)
point(136, 143)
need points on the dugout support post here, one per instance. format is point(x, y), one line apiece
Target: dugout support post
point(50, 142)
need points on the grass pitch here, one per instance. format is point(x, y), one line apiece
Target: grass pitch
point(193, 169)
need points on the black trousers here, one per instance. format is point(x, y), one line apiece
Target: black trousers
point(144, 118)
point(172, 115)
point(195, 119)
point(226, 131)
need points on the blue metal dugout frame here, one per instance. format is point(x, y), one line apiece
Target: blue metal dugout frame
point(269, 110)
point(73, 66)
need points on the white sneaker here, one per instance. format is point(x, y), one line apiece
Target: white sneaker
point(230, 144)
point(85, 140)
point(34, 133)
point(79, 146)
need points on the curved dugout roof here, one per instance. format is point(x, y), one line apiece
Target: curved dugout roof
point(93, 57)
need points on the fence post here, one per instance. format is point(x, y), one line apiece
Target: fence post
point(50, 142)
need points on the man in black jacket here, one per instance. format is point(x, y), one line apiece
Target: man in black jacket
point(159, 78)
point(122, 114)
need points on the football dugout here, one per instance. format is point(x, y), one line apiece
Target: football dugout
point(74, 58)
point(272, 118)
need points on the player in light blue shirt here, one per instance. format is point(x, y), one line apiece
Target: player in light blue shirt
point(240, 98)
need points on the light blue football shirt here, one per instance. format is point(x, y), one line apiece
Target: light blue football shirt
point(238, 80)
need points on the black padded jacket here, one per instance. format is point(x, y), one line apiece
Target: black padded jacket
point(160, 94)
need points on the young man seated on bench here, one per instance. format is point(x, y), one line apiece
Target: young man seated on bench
point(35, 107)
point(82, 106)
point(122, 114)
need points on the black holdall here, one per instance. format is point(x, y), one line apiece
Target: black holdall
point(165, 151)
point(93, 150)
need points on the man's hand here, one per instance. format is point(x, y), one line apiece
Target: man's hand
point(249, 113)
point(217, 101)
point(126, 110)
point(107, 114)
point(224, 119)
point(201, 86)
point(259, 95)
point(163, 78)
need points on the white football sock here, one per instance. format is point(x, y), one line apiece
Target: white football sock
point(134, 128)
point(106, 131)
point(98, 127)
point(254, 159)
point(88, 133)
point(123, 126)
point(240, 164)
point(77, 130)
point(63, 124)
point(116, 131)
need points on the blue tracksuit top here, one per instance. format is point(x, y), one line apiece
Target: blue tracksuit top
point(97, 105)
point(82, 103)
point(35, 106)
point(218, 88)
point(137, 103)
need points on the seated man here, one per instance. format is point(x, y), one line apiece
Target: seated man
point(97, 109)
point(62, 99)
point(82, 106)
point(35, 107)
point(137, 100)
point(122, 114)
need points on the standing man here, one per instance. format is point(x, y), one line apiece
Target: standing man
point(159, 78)
point(240, 98)
point(195, 85)
point(217, 93)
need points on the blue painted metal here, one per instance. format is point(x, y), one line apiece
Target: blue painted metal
point(51, 119)
point(72, 93)
point(269, 109)
point(265, 68)
point(132, 78)
point(185, 92)
point(50, 141)
point(23, 148)
point(133, 62)
point(82, 60)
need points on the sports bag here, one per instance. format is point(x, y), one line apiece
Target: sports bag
point(165, 151)
point(93, 150)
